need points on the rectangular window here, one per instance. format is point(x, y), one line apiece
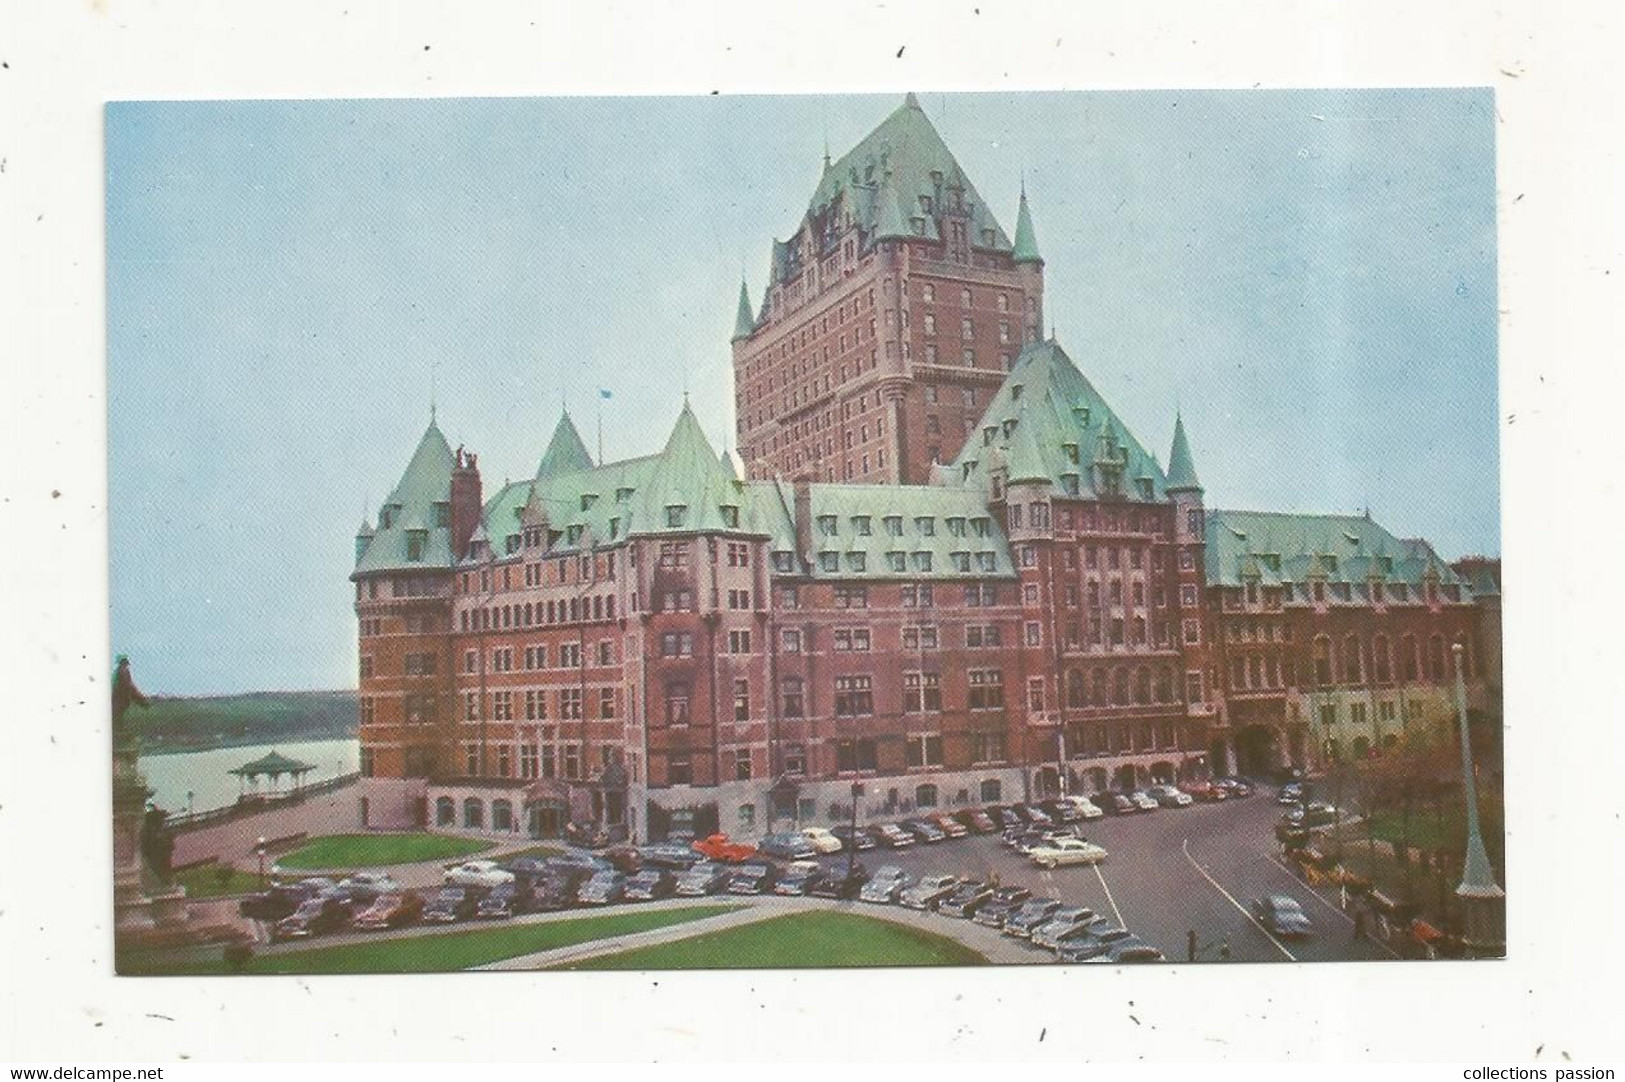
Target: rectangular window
point(921, 692)
point(854, 696)
point(851, 597)
point(853, 755)
point(676, 704)
point(1035, 694)
point(923, 637)
point(851, 638)
point(987, 748)
point(679, 770)
point(606, 702)
point(742, 773)
point(924, 749)
point(570, 703)
point(739, 642)
point(986, 689)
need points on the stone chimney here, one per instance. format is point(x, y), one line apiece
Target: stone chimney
point(804, 538)
point(465, 502)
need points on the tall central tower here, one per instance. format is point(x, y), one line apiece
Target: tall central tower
point(891, 315)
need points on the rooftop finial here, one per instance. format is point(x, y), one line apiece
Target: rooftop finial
point(910, 101)
point(434, 368)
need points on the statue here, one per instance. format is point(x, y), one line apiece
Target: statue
point(125, 695)
point(142, 898)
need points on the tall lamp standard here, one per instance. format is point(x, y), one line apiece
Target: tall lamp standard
point(1483, 902)
point(852, 839)
point(259, 851)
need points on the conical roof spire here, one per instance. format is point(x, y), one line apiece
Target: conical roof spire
point(910, 101)
point(744, 319)
point(1181, 470)
point(1025, 249)
point(566, 452)
point(890, 221)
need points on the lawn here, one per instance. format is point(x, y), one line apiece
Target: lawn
point(217, 880)
point(442, 953)
point(358, 850)
point(796, 941)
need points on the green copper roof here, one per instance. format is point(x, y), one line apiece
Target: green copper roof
point(744, 319)
point(1181, 470)
point(1047, 423)
point(565, 451)
point(411, 507)
point(1271, 548)
point(1026, 246)
point(906, 155)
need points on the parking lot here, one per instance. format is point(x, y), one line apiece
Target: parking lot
point(1170, 871)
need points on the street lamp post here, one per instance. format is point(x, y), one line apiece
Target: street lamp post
point(189, 796)
point(1481, 899)
point(259, 851)
point(852, 839)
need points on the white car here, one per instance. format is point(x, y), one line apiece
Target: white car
point(822, 840)
point(1144, 800)
point(1061, 851)
point(370, 883)
point(478, 873)
point(1170, 796)
point(1087, 809)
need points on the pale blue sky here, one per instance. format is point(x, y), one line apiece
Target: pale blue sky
point(1308, 275)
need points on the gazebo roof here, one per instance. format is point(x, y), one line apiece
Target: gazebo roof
point(272, 764)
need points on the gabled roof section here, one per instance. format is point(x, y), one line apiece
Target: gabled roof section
point(1181, 470)
point(744, 318)
point(1025, 249)
point(566, 452)
point(1047, 423)
point(688, 474)
point(410, 509)
point(1273, 547)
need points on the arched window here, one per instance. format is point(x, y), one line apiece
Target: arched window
point(1323, 661)
point(528, 613)
point(1362, 747)
point(1120, 691)
point(925, 796)
point(1381, 665)
point(1407, 659)
point(501, 815)
point(1352, 669)
point(1142, 685)
point(1165, 685)
point(1436, 669)
point(445, 812)
point(1076, 694)
point(474, 813)
point(1099, 682)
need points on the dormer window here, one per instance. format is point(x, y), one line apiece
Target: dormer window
point(676, 514)
point(730, 516)
point(1145, 488)
point(987, 561)
point(572, 535)
point(921, 561)
point(961, 561)
point(926, 525)
point(894, 525)
point(860, 525)
point(1271, 560)
point(784, 561)
point(980, 526)
point(829, 561)
point(1015, 392)
point(1331, 563)
point(1071, 450)
point(857, 561)
point(1385, 564)
point(614, 528)
point(925, 203)
point(623, 495)
point(1082, 414)
point(988, 238)
point(987, 435)
point(386, 515)
point(828, 525)
point(897, 561)
point(588, 499)
point(442, 514)
point(956, 527)
point(416, 542)
point(1069, 483)
point(511, 543)
point(1009, 426)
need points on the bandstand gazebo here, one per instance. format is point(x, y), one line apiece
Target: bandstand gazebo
point(272, 766)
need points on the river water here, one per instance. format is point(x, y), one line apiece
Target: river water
point(204, 775)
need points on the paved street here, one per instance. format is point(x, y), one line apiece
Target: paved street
point(1170, 871)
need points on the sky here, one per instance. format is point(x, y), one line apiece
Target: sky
point(1307, 276)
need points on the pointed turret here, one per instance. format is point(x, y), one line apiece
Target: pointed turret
point(728, 466)
point(1181, 470)
point(411, 528)
point(744, 319)
point(566, 452)
point(688, 485)
point(363, 538)
point(1025, 249)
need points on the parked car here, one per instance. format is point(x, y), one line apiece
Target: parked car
point(797, 878)
point(1144, 800)
point(1114, 803)
point(1059, 921)
point(390, 911)
point(1087, 808)
point(624, 858)
point(364, 887)
point(1282, 915)
point(1291, 793)
point(865, 838)
point(753, 878)
point(966, 899)
point(325, 913)
point(1005, 902)
point(1205, 792)
point(1171, 796)
point(976, 820)
point(949, 825)
point(586, 835)
point(1074, 935)
point(839, 883)
point(718, 847)
point(503, 902)
point(649, 885)
point(787, 846)
point(1313, 815)
point(478, 873)
point(274, 903)
point(1034, 913)
point(1032, 814)
point(603, 888)
point(1096, 944)
point(1005, 817)
point(526, 870)
point(1028, 840)
point(1236, 786)
point(449, 905)
point(924, 830)
point(1059, 812)
point(885, 886)
point(676, 856)
point(1063, 851)
point(706, 877)
point(578, 861)
point(1132, 951)
point(823, 839)
point(893, 836)
point(555, 891)
point(929, 891)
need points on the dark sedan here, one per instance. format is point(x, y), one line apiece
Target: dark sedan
point(797, 878)
point(525, 870)
point(977, 820)
point(894, 837)
point(675, 856)
point(838, 883)
point(754, 878)
point(1034, 913)
point(651, 885)
point(554, 892)
point(966, 899)
point(1061, 811)
point(505, 900)
point(1098, 943)
point(1005, 903)
point(787, 846)
point(313, 917)
point(706, 877)
point(602, 889)
point(924, 830)
point(449, 905)
point(275, 903)
point(865, 837)
point(1078, 938)
point(1114, 803)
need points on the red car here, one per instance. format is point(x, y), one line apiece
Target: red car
point(390, 911)
point(1206, 792)
point(718, 847)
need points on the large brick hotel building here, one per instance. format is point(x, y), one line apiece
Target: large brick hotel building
point(950, 574)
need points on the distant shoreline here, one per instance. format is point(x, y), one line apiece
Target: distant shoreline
point(183, 725)
point(249, 741)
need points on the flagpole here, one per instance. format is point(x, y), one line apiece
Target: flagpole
point(600, 428)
